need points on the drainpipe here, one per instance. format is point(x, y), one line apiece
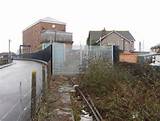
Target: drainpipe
point(55, 36)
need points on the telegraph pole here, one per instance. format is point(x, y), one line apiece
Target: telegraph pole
point(9, 45)
point(9, 49)
point(140, 46)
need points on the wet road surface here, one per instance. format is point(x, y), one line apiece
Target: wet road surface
point(15, 88)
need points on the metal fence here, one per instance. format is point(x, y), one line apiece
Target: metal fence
point(70, 60)
point(44, 55)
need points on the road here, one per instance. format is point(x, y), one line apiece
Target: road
point(15, 88)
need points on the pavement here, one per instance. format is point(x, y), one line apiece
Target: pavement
point(6, 65)
point(15, 88)
point(59, 105)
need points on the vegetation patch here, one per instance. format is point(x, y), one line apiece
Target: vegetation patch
point(76, 107)
point(123, 92)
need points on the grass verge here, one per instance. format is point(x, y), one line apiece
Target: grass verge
point(124, 92)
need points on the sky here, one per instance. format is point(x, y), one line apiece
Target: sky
point(140, 17)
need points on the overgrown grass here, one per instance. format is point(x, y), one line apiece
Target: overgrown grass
point(43, 112)
point(124, 92)
point(76, 107)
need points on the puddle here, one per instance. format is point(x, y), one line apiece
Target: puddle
point(62, 112)
point(65, 98)
point(85, 116)
point(65, 88)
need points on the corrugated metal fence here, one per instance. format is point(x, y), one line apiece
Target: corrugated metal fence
point(72, 60)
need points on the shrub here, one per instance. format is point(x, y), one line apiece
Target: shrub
point(124, 92)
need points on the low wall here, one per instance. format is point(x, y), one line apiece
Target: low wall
point(3, 61)
point(42, 56)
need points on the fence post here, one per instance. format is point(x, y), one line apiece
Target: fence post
point(20, 90)
point(33, 96)
point(49, 73)
point(52, 58)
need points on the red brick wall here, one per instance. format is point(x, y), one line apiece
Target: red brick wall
point(32, 36)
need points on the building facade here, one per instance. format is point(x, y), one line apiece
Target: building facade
point(32, 35)
point(123, 39)
point(156, 48)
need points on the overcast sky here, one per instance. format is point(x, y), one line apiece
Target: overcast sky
point(140, 17)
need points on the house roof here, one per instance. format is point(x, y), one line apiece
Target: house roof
point(156, 46)
point(95, 35)
point(46, 20)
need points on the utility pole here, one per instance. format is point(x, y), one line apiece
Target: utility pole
point(143, 45)
point(140, 46)
point(9, 45)
point(9, 49)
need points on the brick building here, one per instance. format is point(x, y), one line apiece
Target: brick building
point(32, 35)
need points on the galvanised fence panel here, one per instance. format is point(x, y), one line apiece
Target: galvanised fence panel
point(57, 57)
point(72, 60)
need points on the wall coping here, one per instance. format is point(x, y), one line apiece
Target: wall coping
point(35, 60)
